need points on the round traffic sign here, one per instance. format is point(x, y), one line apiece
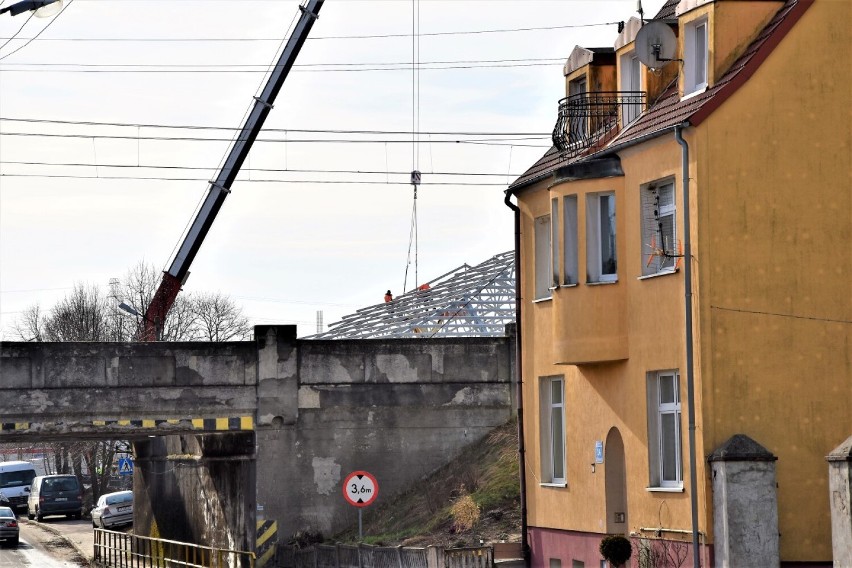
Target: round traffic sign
point(360, 488)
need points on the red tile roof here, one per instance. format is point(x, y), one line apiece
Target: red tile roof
point(669, 110)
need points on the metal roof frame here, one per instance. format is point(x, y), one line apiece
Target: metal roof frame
point(469, 301)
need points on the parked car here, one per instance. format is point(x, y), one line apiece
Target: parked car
point(55, 495)
point(113, 509)
point(9, 529)
point(15, 480)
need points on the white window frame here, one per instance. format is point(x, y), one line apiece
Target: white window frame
point(552, 417)
point(657, 410)
point(655, 210)
point(696, 56)
point(631, 81)
point(595, 269)
point(543, 270)
point(570, 271)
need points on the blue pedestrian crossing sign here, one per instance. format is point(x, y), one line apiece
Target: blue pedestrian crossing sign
point(125, 466)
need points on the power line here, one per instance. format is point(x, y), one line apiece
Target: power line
point(274, 170)
point(50, 23)
point(304, 69)
point(287, 130)
point(484, 141)
point(340, 37)
point(251, 181)
point(255, 66)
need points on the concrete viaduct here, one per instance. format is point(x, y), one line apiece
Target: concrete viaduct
point(220, 428)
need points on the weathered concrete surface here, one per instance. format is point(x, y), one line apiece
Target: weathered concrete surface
point(60, 389)
point(745, 504)
point(399, 409)
point(840, 490)
point(319, 409)
point(196, 489)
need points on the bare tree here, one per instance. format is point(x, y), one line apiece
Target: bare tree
point(219, 318)
point(80, 316)
point(30, 326)
point(138, 289)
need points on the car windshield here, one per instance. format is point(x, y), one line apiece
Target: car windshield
point(6, 513)
point(60, 484)
point(16, 478)
point(119, 498)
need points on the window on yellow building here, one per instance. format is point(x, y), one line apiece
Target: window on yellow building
point(664, 430)
point(659, 238)
point(543, 272)
point(601, 258)
point(569, 222)
point(695, 57)
point(554, 243)
point(552, 395)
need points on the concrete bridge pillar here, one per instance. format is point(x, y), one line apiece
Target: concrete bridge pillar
point(197, 488)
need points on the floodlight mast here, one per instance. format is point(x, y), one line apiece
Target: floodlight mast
point(178, 271)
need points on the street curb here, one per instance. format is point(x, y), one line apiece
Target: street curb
point(85, 557)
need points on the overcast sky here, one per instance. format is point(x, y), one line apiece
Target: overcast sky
point(302, 230)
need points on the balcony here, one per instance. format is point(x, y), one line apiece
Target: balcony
point(588, 121)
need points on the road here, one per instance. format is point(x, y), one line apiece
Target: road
point(40, 548)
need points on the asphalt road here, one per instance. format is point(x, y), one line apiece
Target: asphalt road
point(40, 548)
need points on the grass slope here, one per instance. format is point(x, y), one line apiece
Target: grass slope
point(475, 497)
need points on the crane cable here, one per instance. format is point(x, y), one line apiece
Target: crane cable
point(415, 139)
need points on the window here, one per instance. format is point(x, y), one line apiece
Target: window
point(578, 127)
point(695, 64)
point(569, 222)
point(659, 240)
point(554, 243)
point(631, 81)
point(552, 396)
point(664, 435)
point(601, 261)
point(543, 273)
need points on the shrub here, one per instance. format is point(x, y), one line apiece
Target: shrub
point(465, 513)
point(616, 549)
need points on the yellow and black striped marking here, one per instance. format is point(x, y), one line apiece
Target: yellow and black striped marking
point(267, 541)
point(224, 424)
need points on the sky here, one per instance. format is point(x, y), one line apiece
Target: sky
point(99, 172)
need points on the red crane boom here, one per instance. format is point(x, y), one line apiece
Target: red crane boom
point(178, 271)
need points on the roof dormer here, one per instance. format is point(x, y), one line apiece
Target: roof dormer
point(713, 34)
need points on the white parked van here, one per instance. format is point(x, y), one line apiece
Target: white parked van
point(15, 480)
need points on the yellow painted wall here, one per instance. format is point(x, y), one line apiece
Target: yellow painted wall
point(771, 199)
point(604, 395)
point(736, 24)
point(775, 206)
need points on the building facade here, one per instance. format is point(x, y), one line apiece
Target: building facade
point(751, 116)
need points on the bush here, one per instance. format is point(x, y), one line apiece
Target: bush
point(465, 513)
point(616, 549)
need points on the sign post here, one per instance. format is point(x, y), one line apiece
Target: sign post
point(360, 489)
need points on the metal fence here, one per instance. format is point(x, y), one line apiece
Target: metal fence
point(121, 550)
point(365, 556)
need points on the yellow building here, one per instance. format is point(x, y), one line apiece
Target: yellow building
point(761, 94)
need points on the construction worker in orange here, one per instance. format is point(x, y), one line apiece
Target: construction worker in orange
point(388, 296)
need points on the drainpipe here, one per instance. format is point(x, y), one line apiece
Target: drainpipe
point(690, 373)
point(519, 383)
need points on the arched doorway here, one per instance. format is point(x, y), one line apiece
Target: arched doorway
point(616, 484)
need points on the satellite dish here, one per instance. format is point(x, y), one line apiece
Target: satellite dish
point(655, 44)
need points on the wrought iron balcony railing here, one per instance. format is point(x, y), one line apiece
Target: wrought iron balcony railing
point(590, 120)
